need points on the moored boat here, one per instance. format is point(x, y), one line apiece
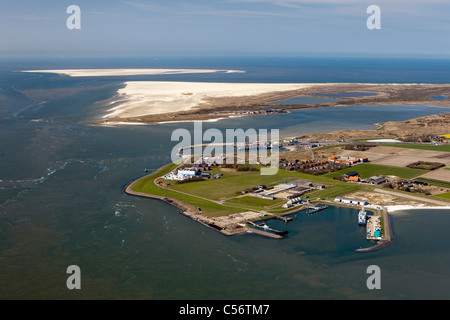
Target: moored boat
point(362, 217)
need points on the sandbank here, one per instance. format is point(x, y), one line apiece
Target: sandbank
point(141, 98)
point(127, 72)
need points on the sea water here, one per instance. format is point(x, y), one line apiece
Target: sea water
point(62, 200)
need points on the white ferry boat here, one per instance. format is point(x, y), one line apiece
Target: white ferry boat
point(362, 217)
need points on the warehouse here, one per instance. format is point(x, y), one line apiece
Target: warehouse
point(351, 201)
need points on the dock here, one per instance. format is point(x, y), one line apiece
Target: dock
point(386, 233)
point(284, 219)
point(314, 209)
point(267, 228)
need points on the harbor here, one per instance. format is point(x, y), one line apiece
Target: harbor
point(378, 228)
point(252, 222)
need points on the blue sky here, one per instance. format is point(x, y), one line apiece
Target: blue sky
point(224, 27)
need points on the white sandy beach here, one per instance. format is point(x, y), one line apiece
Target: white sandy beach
point(127, 72)
point(139, 98)
point(393, 209)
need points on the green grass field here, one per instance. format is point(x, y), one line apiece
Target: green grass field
point(443, 196)
point(146, 185)
point(256, 202)
point(232, 183)
point(367, 170)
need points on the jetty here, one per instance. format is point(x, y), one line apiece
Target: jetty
point(378, 230)
point(314, 209)
point(284, 219)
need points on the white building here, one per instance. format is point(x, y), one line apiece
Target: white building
point(181, 174)
point(187, 173)
point(351, 201)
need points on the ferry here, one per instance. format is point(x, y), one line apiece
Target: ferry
point(362, 217)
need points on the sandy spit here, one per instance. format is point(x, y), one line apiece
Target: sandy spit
point(139, 98)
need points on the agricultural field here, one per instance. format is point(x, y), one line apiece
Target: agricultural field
point(441, 174)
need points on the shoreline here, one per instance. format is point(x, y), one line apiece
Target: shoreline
point(157, 102)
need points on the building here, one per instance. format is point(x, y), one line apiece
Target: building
point(345, 200)
point(182, 174)
point(188, 173)
point(293, 202)
point(348, 160)
point(352, 179)
point(351, 174)
point(377, 180)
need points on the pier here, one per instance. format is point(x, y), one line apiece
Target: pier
point(284, 219)
point(267, 228)
point(314, 209)
point(384, 236)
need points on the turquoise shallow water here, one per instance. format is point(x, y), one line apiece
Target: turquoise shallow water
point(61, 203)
